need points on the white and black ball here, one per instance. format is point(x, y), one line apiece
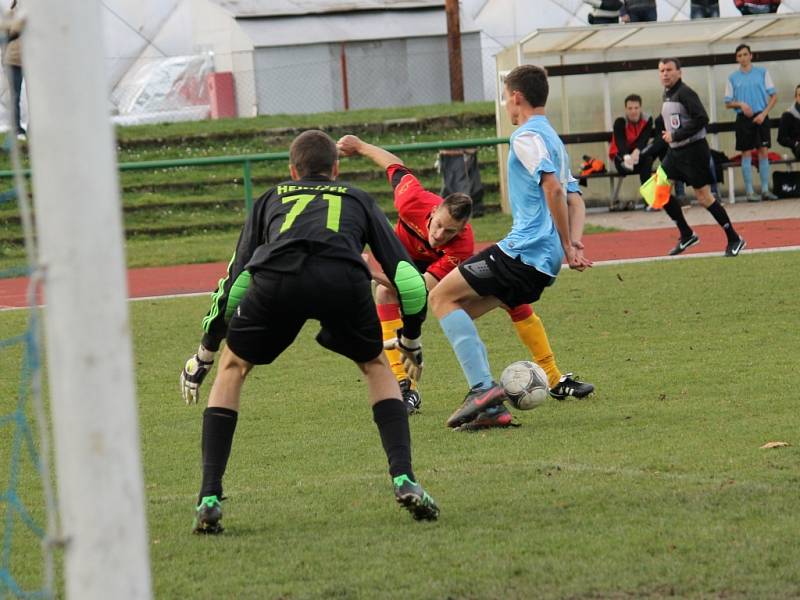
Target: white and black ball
point(525, 384)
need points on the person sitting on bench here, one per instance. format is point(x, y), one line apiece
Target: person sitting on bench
point(632, 133)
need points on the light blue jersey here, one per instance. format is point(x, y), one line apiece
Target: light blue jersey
point(754, 87)
point(535, 149)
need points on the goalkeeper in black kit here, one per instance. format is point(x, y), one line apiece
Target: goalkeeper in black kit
point(299, 258)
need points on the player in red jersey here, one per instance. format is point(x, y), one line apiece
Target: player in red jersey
point(436, 233)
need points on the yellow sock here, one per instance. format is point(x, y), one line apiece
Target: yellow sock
point(531, 331)
point(389, 329)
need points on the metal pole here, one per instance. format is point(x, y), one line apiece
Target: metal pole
point(454, 51)
point(345, 88)
point(87, 326)
point(248, 187)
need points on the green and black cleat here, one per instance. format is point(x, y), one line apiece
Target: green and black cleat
point(208, 516)
point(416, 500)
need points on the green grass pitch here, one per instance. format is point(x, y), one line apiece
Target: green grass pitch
point(654, 487)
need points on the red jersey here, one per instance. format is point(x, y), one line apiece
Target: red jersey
point(414, 206)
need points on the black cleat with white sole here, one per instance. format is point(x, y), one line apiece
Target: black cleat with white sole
point(568, 386)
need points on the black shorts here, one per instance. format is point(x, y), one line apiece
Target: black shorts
point(276, 306)
point(690, 164)
point(750, 135)
point(492, 272)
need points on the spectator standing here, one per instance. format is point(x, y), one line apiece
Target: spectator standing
point(757, 7)
point(632, 134)
point(604, 12)
point(704, 9)
point(637, 11)
point(751, 93)
point(689, 156)
point(789, 128)
point(12, 61)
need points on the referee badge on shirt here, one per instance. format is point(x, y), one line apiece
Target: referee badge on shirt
point(675, 121)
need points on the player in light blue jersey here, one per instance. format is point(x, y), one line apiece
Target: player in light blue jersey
point(547, 227)
point(751, 93)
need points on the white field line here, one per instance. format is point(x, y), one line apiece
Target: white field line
point(600, 263)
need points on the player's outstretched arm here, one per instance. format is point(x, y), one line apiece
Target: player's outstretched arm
point(351, 145)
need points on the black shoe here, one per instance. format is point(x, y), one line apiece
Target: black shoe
point(410, 495)
point(683, 244)
point(493, 417)
point(208, 516)
point(411, 397)
point(570, 386)
point(478, 399)
point(734, 248)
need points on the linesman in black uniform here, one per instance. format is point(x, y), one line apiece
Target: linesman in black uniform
point(688, 157)
point(299, 258)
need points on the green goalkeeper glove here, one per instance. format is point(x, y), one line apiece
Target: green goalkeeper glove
point(411, 351)
point(193, 374)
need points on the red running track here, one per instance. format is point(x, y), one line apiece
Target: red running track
point(618, 245)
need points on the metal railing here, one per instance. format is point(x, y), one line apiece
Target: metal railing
point(247, 160)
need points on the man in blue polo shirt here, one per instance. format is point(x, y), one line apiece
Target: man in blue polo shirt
point(751, 93)
point(547, 224)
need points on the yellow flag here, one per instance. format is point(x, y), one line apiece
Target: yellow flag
point(655, 190)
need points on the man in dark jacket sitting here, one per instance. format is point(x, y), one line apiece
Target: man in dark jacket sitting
point(632, 133)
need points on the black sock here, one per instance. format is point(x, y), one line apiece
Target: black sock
point(721, 215)
point(218, 427)
point(675, 213)
point(391, 417)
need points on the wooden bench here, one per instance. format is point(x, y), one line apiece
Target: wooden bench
point(615, 185)
point(730, 166)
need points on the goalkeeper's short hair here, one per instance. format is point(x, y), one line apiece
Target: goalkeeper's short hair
point(313, 152)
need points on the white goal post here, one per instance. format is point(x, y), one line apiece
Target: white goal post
point(87, 329)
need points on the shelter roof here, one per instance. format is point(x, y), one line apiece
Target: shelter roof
point(633, 37)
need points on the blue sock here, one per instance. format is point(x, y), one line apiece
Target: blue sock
point(747, 172)
point(469, 349)
point(763, 171)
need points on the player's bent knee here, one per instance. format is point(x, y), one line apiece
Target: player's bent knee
point(439, 301)
point(384, 295)
point(232, 364)
point(377, 363)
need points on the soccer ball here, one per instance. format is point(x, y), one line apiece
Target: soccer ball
point(525, 384)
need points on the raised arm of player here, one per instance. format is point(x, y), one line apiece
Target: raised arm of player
point(350, 145)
